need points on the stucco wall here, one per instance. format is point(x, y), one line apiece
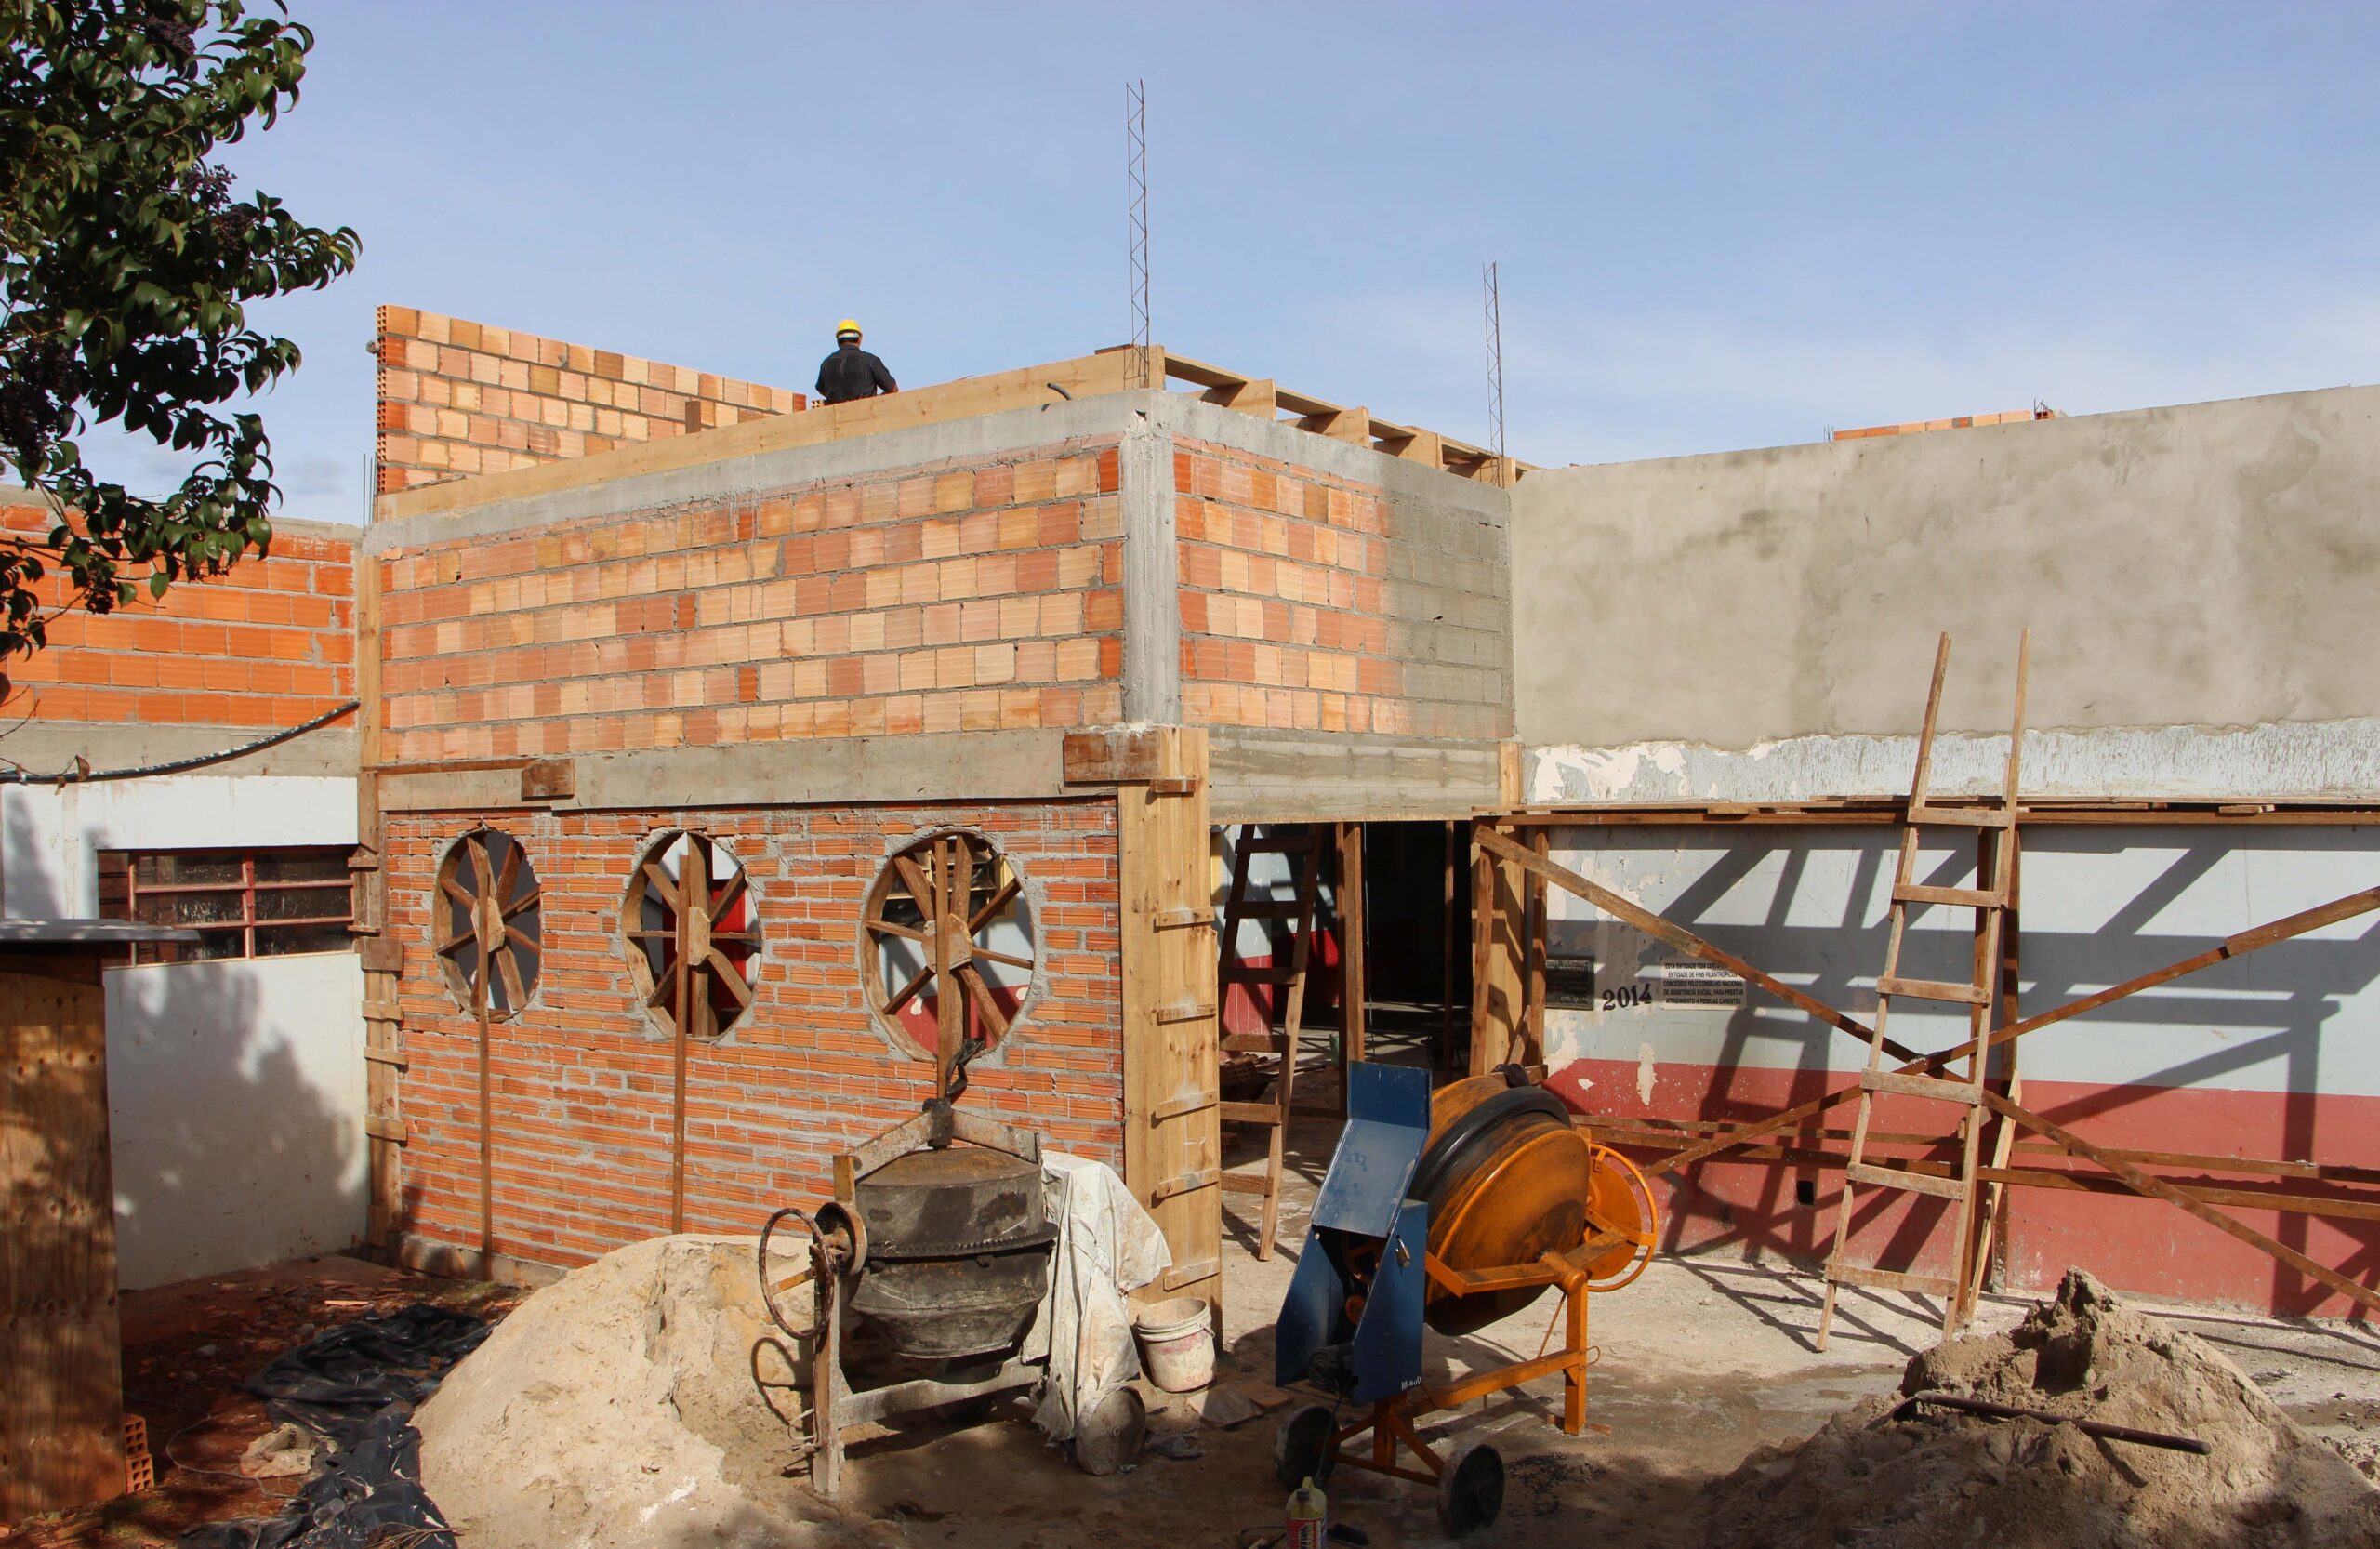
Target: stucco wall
point(235, 1099)
point(2207, 565)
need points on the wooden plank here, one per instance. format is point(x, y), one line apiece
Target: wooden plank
point(1175, 1107)
point(1902, 1178)
point(1931, 1087)
point(395, 1057)
point(1172, 1129)
point(1254, 396)
point(1934, 990)
point(382, 957)
point(1249, 1113)
point(62, 1397)
point(1113, 755)
point(1354, 993)
point(2142, 1183)
point(1957, 897)
point(549, 780)
point(1890, 1279)
point(383, 1128)
point(1183, 1182)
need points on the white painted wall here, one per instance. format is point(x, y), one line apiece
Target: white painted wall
point(235, 1095)
point(50, 836)
point(235, 1090)
point(2100, 905)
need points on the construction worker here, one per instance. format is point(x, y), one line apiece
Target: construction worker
point(851, 372)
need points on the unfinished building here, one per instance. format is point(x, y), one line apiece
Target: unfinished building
point(714, 718)
point(684, 703)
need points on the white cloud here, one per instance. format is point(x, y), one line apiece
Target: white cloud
point(1591, 385)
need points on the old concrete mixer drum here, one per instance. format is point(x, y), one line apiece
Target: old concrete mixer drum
point(958, 1251)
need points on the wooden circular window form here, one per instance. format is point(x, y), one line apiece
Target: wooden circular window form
point(947, 945)
point(488, 912)
point(691, 935)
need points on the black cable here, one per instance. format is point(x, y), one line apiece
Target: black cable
point(77, 778)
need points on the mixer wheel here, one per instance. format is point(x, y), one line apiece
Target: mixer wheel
point(1471, 1488)
point(1301, 1448)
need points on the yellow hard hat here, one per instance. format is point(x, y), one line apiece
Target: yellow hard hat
point(847, 325)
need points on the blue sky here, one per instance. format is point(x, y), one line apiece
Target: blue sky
point(1718, 226)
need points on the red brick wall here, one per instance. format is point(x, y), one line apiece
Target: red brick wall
point(947, 597)
point(269, 643)
point(583, 1079)
point(1285, 605)
point(459, 398)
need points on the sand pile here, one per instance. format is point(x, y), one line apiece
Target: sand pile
point(616, 1408)
point(1941, 1480)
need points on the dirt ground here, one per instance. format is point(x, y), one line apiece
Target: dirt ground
point(1700, 1362)
point(185, 1349)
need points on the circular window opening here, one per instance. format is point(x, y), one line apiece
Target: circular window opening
point(946, 945)
point(691, 935)
point(488, 913)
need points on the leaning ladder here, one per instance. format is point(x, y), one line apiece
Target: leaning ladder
point(1991, 899)
point(1288, 980)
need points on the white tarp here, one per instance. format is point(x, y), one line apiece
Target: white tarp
point(1107, 1247)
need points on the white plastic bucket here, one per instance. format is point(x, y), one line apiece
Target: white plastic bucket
point(1177, 1343)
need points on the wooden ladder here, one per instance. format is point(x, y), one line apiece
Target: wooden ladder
point(1288, 981)
point(1991, 899)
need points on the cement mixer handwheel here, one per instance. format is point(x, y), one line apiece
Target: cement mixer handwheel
point(819, 1263)
point(1471, 1488)
point(1640, 1242)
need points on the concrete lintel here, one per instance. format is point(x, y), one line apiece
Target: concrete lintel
point(857, 456)
point(48, 747)
point(450, 789)
point(1258, 776)
point(934, 766)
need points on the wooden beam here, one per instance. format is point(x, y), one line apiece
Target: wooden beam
point(1171, 1113)
point(1254, 397)
point(2143, 1183)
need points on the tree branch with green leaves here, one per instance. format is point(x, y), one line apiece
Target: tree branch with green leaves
point(127, 268)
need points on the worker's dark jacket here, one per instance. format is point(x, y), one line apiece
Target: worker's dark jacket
point(851, 372)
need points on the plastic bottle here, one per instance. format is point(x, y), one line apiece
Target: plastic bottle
point(1308, 1508)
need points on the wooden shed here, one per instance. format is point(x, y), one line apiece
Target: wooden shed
point(61, 1401)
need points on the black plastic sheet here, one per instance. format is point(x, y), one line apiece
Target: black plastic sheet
point(355, 1387)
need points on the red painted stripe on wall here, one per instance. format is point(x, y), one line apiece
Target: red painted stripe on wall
point(1752, 1209)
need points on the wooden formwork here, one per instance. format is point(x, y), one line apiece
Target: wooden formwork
point(1510, 936)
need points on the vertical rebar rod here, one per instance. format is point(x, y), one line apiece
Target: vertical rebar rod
point(1136, 187)
point(1489, 289)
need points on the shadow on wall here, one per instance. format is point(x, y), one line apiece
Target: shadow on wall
point(2240, 1046)
point(234, 1095)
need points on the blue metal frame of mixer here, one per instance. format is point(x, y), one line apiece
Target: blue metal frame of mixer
point(1362, 1209)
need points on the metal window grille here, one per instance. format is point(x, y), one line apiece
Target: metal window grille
point(242, 902)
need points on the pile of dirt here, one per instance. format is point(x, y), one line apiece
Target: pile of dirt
point(617, 1407)
point(1938, 1479)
